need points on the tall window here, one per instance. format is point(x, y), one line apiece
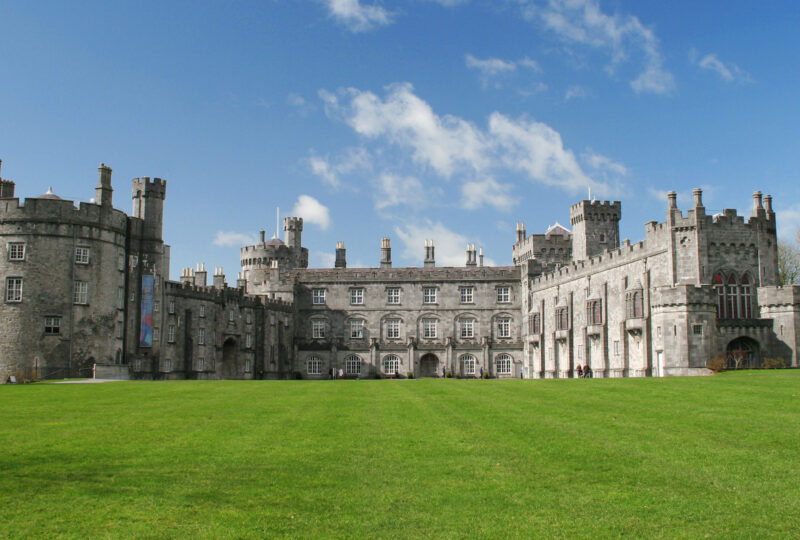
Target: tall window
point(120, 298)
point(429, 328)
point(467, 328)
point(201, 336)
point(318, 296)
point(171, 306)
point(121, 261)
point(391, 364)
point(633, 305)
point(318, 329)
point(201, 363)
point(248, 340)
point(719, 286)
point(314, 366)
point(80, 292)
point(247, 365)
point(393, 328)
point(171, 333)
point(352, 365)
point(120, 330)
point(744, 295)
point(156, 334)
point(734, 299)
point(52, 326)
point(356, 296)
point(562, 318)
point(535, 323)
point(503, 364)
point(167, 364)
point(248, 317)
point(504, 327)
point(82, 255)
point(357, 329)
point(594, 312)
point(231, 315)
point(16, 251)
point(467, 295)
point(504, 294)
point(202, 311)
point(468, 364)
point(156, 306)
point(393, 295)
point(429, 295)
point(14, 289)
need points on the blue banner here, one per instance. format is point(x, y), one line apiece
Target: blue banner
point(148, 292)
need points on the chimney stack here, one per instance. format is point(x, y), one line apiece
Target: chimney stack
point(758, 210)
point(481, 256)
point(103, 191)
point(672, 197)
point(187, 276)
point(219, 278)
point(386, 253)
point(200, 276)
point(430, 259)
point(262, 235)
point(768, 206)
point(341, 256)
point(520, 231)
point(241, 283)
point(471, 260)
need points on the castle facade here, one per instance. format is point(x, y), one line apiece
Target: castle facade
point(86, 291)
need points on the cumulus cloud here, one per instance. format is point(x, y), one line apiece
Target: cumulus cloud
point(729, 72)
point(233, 239)
point(583, 22)
point(331, 171)
point(357, 17)
point(486, 192)
point(396, 190)
point(604, 164)
point(312, 211)
point(450, 246)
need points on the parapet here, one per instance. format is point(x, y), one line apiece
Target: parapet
point(155, 187)
point(595, 211)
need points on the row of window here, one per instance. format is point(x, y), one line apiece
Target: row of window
point(391, 364)
point(14, 288)
point(429, 295)
point(734, 297)
point(16, 252)
point(430, 328)
point(634, 309)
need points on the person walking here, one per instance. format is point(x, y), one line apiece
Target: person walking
point(580, 372)
point(341, 373)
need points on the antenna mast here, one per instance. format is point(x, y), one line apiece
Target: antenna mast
point(277, 220)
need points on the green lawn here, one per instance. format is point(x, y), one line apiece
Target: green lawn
point(678, 457)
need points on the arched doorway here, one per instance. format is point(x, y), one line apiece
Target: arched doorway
point(229, 369)
point(429, 365)
point(742, 353)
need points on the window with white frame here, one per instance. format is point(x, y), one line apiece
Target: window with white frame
point(391, 364)
point(16, 251)
point(318, 296)
point(248, 340)
point(202, 311)
point(467, 328)
point(156, 306)
point(393, 328)
point(82, 255)
point(429, 295)
point(468, 364)
point(467, 294)
point(504, 327)
point(80, 292)
point(171, 333)
point(314, 366)
point(429, 328)
point(231, 315)
point(352, 365)
point(357, 329)
point(504, 294)
point(393, 295)
point(201, 336)
point(503, 364)
point(52, 326)
point(356, 296)
point(14, 289)
point(247, 365)
point(156, 334)
point(317, 329)
point(171, 307)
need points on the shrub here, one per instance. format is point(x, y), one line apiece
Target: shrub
point(716, 363)
point(774, 363)
point(449, 374)
point(410, 374)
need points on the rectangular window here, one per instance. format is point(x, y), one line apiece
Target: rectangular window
point(247, 365)
point(429, 328)
point(52, 326)
point(658, 331)
point(156, 334)
point(171, 333)
point(467, 328)
point(231, 315)
point(82, 255)
point(357, 329)
point(356, 296)
point(248, 340)
point(80, 292)
point(393, 329)
point(120, 330)
point(121, 298)
point(616, 348)
point(594, 312)
point(156, 306)
point(248, 318)
point(504, 294)
point(697, 329)
point(201, 363)
point(467, 294)
point(429, 295)
point(318, 296)
point(16, 251)
point(202, 311)
point(167, 365)
point(171, 307)
point(393, 295)
point(14, 289)
point(134, 261)
point(352, 365)
point(318, 329)
point(314, 366)
point(469, 365)
point(201, 336)
point(535, 324)
point(504, 328)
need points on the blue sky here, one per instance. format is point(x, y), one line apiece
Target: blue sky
point(449, 120)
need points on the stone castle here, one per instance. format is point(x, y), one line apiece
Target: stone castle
point(87, 291)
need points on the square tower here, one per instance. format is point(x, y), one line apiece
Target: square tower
point(595, 227)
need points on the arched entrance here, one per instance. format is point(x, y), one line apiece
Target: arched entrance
point(742, 353)
point(429, 365)
point(229, 368)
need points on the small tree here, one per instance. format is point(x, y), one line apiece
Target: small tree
point(788, 262)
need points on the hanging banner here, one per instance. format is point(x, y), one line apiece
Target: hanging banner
point(146, 331)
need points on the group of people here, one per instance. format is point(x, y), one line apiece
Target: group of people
point(584, 372)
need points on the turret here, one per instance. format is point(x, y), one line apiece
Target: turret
point(341, 256)
point(430, 259)
point(595, 227)
point(293, 231)
point(386, 253)
point(103, 191)
point(148, 204)
point(6, 186)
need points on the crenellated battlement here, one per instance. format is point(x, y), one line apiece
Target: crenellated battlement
point(223, 296)
point(150, 187)
point(412, 274)
point(60, 211)
point(595, 211)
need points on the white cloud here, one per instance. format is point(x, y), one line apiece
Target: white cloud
point(357, 17)
point(396, 190)
point(491, 68)
point(351, 161)
point(321, 259)
point(312, 211)
point(233, 239)
point(575, 91)
point(531, 64)
point(450, 247)
point(729, 72)
point(486, 192)
point(604, 164)
point(583, 22)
